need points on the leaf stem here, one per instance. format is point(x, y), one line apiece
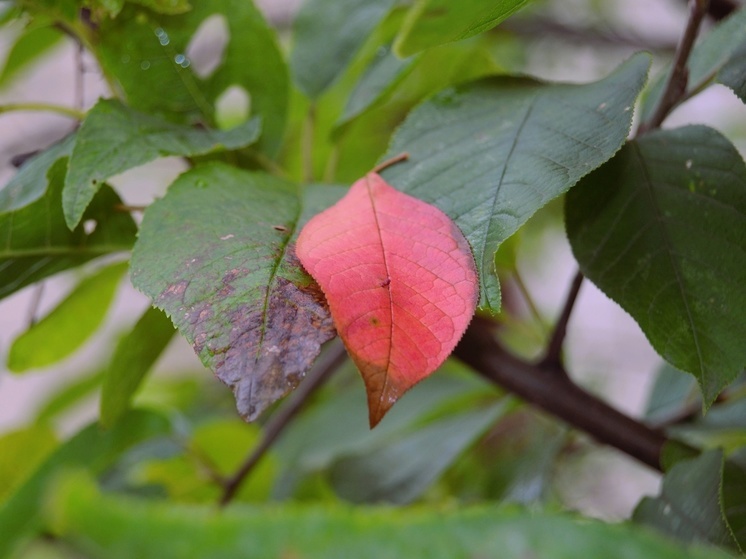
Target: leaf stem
point(48, 107)
point(675, 89)
point(330, 361)
point(389, 162)
point(526, 294)
point(552, 357)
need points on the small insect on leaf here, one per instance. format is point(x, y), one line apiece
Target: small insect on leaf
point(377, 237)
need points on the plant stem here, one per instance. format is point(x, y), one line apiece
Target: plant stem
point(533, 309)
point(554, 347)
point(329, 362)
point(558, 395)
point(675, 89)
point(307, 144)
point(48, 107)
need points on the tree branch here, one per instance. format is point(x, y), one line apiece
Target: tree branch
point(554, 347)
point(329, 362)
point(675, 89)
point(558, 395)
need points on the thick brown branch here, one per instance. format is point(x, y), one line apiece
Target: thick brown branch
point(329, 362)
point(558, 395)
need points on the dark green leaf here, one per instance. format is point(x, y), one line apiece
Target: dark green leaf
point(133, 358)
point(34, 42)
point(111, 527)
point(93, 449)
point(491, 153)
point(33, 178)
point(114, 138)
point(69, 324)
point(319, 55)
point(36, 243)
point(689, 505)
point(402, 471)
point(146, 53)
point(434, 22)
point(719, 56)
point(661, 229)
point(235, 290)
point(734, 500)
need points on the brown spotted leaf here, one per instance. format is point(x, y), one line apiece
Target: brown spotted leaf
point(216, 255)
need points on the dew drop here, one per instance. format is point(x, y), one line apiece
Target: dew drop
point(182, 60)
point(145, 64)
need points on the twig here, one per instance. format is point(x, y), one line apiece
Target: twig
point(59, 109)
point(675, 89)
point(328, 364)
point(389, 162)
point(554, 347)
point(558, 395)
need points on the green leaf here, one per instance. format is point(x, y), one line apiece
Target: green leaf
point(165, 6)
point(67, 396)
point(146, 53)
point(336, 428)
point(69, 324)
point(223, 444)
point(29, 46)
point(733, 498)
point(114, 138)
point(719, 56)
point(33, 179)
point(133, 358)
point(402, 471)
point(671, 393)
point(235, 290)
point(689, 505)
point(661, 229)
point(319, 56)
point(92, 449)
point(434, 22)
point(403, 83)
point(491, 153)
point(21, 452)
point(35, 242)
point(111, 527)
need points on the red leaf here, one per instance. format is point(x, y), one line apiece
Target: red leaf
point(400, 281)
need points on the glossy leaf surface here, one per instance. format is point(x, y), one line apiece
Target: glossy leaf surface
point(661, 229)
point(400, 281)
point(215, 255)
point(491, 153)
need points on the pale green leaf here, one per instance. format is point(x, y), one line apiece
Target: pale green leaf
point(21, 452)
point(132, 360)
point(110, 527)
point(60, 333)
point(93, 449)
point(28, 47)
